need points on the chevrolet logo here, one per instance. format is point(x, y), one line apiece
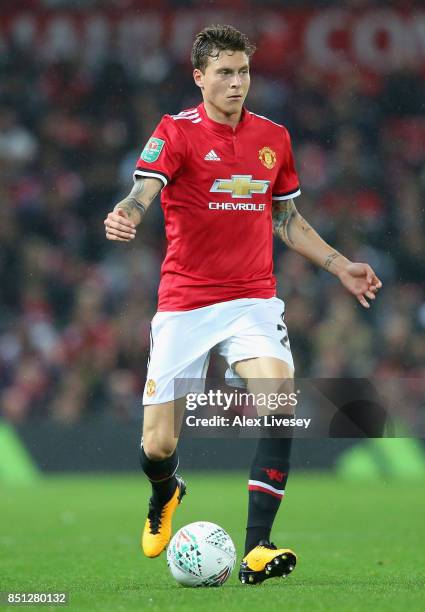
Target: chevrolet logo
point(240, 186)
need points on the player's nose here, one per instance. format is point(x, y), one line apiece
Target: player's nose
point(236, 81)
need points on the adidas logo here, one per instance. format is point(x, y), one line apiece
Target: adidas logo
point(212, 156)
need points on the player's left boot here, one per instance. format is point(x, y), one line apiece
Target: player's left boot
point(157, 532)
point(266, 561)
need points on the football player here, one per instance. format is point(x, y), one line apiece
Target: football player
point(228, 183)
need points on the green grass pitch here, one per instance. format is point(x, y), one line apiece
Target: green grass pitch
point(360, 546)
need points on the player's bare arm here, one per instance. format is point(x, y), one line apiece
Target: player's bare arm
point(297, 234)
point(120, 224)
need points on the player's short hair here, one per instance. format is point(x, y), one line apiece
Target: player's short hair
point(215, 38)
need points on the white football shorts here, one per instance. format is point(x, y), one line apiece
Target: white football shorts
point(181, 343)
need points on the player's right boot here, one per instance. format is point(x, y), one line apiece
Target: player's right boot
point(266, 561)
point(158, 526)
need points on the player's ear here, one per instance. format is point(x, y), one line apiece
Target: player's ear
point(198, 77)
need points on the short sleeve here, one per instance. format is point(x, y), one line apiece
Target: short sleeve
point(287, 184)
point(164, 153)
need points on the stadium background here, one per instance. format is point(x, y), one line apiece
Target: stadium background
point(82, 84)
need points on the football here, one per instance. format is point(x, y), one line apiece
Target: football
point(201, 554)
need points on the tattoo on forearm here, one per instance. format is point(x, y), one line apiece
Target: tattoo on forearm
point(329, 259)
point(130, 204)
point(291, 227)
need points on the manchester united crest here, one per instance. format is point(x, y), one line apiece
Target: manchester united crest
point(150, 387)
point(267, 157)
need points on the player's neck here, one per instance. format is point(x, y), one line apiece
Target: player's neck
point(215, 114)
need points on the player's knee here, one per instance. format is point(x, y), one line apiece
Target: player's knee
point(158, 448)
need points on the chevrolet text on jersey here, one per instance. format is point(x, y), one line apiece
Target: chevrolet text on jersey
point(236, 206)
point(219, 184)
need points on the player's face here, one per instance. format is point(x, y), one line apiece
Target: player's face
point(225, 82)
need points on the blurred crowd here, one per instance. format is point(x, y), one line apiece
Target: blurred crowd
point(76, 309)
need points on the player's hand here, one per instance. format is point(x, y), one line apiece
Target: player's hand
point(361, 281)
point(119, 227)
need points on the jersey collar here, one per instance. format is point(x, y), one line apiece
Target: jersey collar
point(221, 128)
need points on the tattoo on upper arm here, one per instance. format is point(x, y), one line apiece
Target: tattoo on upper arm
point(283, 215)
point(329, 259)
point(140, 187)
point(132, 202)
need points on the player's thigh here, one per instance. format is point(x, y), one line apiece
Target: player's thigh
point(268, 375)
point(161, 428)
point(263, 367)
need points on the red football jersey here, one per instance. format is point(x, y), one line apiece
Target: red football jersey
point(219, 183)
